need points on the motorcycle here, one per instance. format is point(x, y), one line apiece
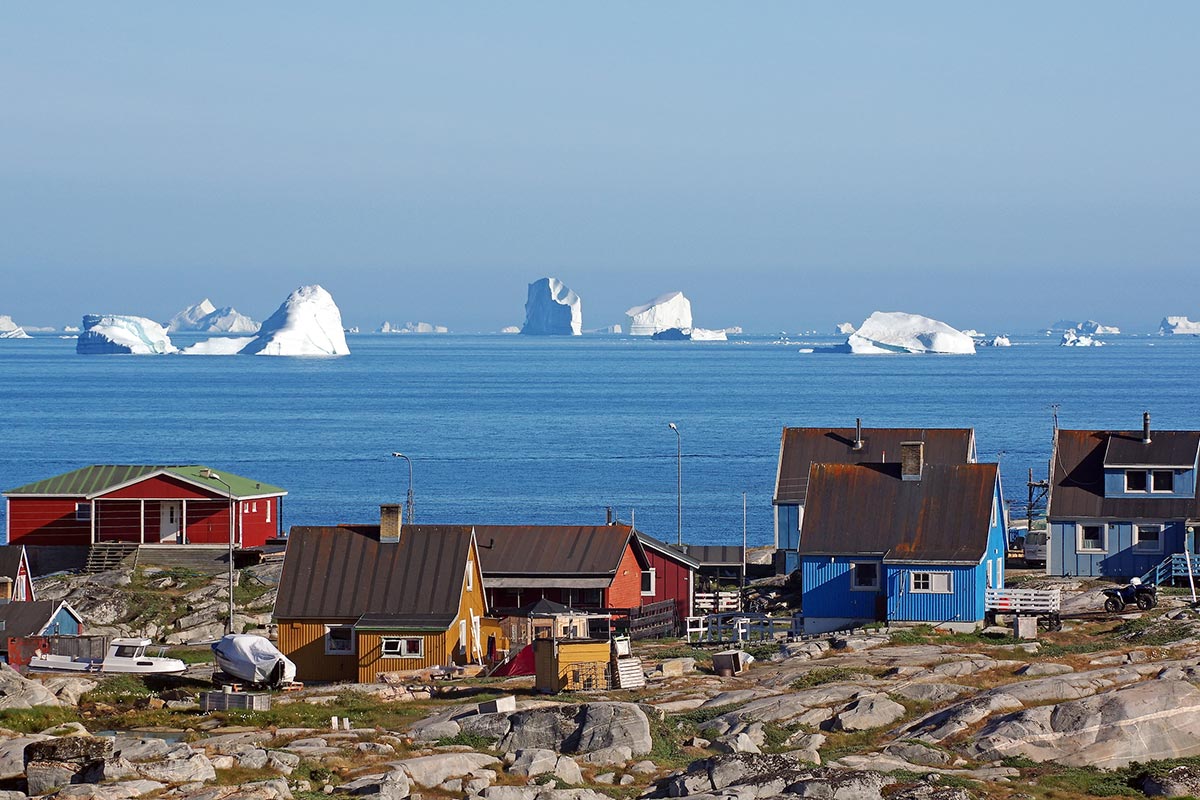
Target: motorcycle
point(1146, 597)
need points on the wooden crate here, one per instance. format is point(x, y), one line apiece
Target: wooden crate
point(225, 701)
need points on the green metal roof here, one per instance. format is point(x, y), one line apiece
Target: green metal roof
point(102, 478)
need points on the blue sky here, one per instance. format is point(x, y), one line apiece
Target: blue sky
point(786, 165)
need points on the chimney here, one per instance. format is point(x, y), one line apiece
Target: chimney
point(390, 521)
point(858, 440)
point(608, 515)
point(1146, 428)
point(912, 460)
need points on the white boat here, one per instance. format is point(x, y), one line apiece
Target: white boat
point(253, 659)
point(124, 655)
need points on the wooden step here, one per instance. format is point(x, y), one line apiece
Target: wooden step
point(105, 556)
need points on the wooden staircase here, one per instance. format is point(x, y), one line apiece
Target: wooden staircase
point(106, 556)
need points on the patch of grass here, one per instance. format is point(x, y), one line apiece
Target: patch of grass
point(1089, 781)
point(32, 720)
point(235, 776)
point(762, 651)
point(363, 711)
point(698, 716)
point(845, 744)
point(775, 736)
point(119, 689)
point(192, 655)
point(919, 634)
point(822, 675)
point(666, 749)
point(474, 741)
point(1153, 631)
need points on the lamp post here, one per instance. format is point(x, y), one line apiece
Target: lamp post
point(679, 474)
point(208, 473)
point(408, 510)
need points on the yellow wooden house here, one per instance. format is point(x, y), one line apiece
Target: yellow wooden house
point(358, 600)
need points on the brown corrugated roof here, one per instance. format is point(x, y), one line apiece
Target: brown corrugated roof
point(19, 619)
point(711, 555)
point(867, 509)
point(10, 560)
point(344, 573)
point(545, 550)
point(1077, 477)
point(802, 447)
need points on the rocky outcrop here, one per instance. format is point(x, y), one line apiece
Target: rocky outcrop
point(57, 762)
point(1152, 720)
point(20, 692)
point(747, 775)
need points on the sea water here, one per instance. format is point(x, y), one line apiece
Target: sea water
point(532, 430)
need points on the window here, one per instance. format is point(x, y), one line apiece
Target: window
point(83, 512)
point(254, 507)
point(1163, 480)
point(864, 576)
point(402, 647)
point(934, 582)
point(1091, 538)
point(339, 640)
point(268, 505)
point(470, 575)
point(649, 581)
point(1147, 538)
point(1135, 480)
point(591, 597)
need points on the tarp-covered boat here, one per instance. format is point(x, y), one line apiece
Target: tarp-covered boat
point(253, 659)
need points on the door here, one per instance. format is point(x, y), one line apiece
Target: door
point(170, 521)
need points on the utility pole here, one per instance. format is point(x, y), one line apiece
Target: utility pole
point(1033, 485)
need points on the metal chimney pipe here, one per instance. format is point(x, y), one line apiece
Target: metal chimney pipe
point(608, 515)
point(1146, 428)
point(858, 440)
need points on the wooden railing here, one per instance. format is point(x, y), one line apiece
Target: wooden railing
point(654, 619)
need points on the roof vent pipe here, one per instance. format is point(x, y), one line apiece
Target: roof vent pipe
point(858, 440)
point(1146, 428)
point(608, 515)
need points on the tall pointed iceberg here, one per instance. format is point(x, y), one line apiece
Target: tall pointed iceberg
point(551, 309)
point(308, 323)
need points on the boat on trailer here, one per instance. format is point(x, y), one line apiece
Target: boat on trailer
point(125, 655)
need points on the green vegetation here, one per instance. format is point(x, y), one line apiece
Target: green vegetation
point(762, 651)
point(119, 689)
point(32, 720)
point(823, 675)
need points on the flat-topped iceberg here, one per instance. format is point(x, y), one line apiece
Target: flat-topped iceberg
point(206, 318)
point(108, 334)
point(1178, 326)
point(551, 309)
point(308, 323)
point(898, 332)
point(10, 329)
point(1087, 327)
point(412, 327)
point(690, 334)
point(670, 310)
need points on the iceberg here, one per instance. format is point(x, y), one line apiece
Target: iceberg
point(671, 310)
point(412, 327)
point(510, 329)
point(998, 341)
point(974, 334)
point(1178, 326)
point(898, 332)
point(105, 334)
point(1093, 328)
point(551, 309)
point(690, 334)
point(71, 329)
point(1073, 339)
point(218, 346)
point(307, 324)
point(845, 328)
point(10, 329)
point(204, 317)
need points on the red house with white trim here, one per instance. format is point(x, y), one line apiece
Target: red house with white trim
point(144, 504)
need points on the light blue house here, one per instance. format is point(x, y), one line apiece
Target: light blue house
point(1122, 502)
point(800, 448)
point(901, 542)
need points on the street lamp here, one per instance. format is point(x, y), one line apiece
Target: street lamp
point(209, 474)
point(679, 471)
point(408, 511)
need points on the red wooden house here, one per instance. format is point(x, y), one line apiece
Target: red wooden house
point(144, 504)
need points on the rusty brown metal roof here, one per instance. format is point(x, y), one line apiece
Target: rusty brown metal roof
point(802, 447)
point(1077, 476)
point(867, 509)
point(575, 551)
point(1165, 449)
point(341, 574)
point(712, 555)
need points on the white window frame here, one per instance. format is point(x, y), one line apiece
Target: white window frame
point(854, 584)
point(402, 650)
point(1137, 539)
point(1079, 548)
point(1129, 472)
point(268, 502)
point(1150, 481)
point(930, 578)
point(470, 575)
point(653, 573)
point(331, 651)
point(83, 512)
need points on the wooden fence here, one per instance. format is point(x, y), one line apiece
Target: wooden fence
point(654, 619)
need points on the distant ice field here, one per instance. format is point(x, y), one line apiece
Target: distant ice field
point(511, 429)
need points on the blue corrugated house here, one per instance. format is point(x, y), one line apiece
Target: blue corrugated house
point(901, 542)
point(1122, 502)
point(800, 448)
